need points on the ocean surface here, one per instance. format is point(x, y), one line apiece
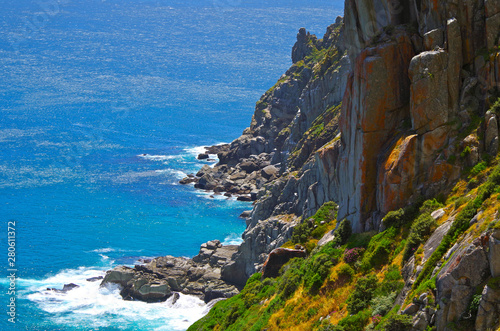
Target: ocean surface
point(104, 106)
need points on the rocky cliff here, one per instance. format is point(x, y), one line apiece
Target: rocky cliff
point(386, 111)
point(372, 117)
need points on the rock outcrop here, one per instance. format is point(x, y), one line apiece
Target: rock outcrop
point(160, 278)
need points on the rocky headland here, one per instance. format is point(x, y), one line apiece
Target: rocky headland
point(373, 170)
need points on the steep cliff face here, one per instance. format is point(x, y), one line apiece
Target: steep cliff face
point(375, 116)
point(422, 57)
point(386, 111)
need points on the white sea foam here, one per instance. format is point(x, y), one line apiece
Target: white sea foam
point(195, 151)
point(233, 239)
point(135, 176)
point(104, 250)
point(93, 306)
point(158, 157)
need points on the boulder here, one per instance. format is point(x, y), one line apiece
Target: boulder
point(203, 156)
point(150, 292)
point(411, 309)
point(204, 170)
point(119, 275)
point(277, 258)
point(249, 166)
point(269, 172)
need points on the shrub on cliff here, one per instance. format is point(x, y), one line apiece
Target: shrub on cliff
point(353, 254)
point(362, 295)
point(419, 231)
point(342, 233)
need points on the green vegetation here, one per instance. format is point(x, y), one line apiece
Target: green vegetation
point(461, 224)
point(316, 226)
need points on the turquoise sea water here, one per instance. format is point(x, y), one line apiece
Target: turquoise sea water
point(103, 108)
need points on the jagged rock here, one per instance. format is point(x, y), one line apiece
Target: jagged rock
point(433, 38)
point(204, 170)
point(175, 297)
point(246, 213)
point(66, 288)
point(277, 258)
point(94, 279)
point(203, 156)
point(259, 239)
point(494, 253)
point(217, 149)
point(456, 282)
point(411, 309)
point(157, 280)
point(489, 309)
point(304, 45)
point(420, 321)
point(491, 136)
point(188, 180)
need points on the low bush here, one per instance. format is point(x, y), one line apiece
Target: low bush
point(397, 322)
point(342, 233)
point(345, 272)
point(362, 295)
point(353, 254)
point(419, 232)
point(381, 305)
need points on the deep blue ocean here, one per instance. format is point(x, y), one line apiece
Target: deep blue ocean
point(104, 106)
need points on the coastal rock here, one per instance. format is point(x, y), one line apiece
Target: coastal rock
point(161, 277)
point(66, 288)
point(304, 45)
point(259, 239)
